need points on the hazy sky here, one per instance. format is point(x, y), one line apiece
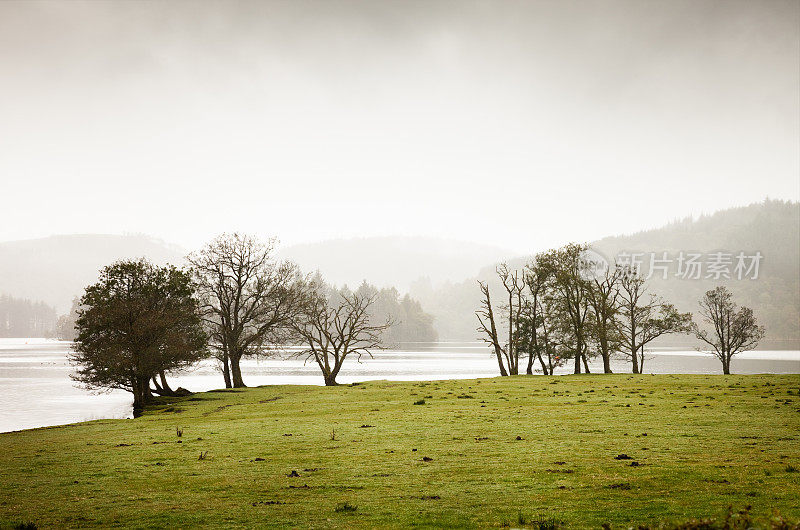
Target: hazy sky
point(523, 124)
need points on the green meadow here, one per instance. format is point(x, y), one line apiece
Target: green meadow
point(526, 451)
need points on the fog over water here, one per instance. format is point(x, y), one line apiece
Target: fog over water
point(36, 390)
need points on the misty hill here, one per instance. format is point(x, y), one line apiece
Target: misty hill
point(769, 227)
point(393, 260)
point(56, 269)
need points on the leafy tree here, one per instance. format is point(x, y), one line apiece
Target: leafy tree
point(734, 328)
point(250, 301)
point(136, 322)
point(570, 297)
point(65, 326)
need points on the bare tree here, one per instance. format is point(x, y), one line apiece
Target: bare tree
point(336, 324)
point(250, 301)
point(507, 354)
point(489, 328)
point(735, 329)
point(534, 328)
point(645, 317)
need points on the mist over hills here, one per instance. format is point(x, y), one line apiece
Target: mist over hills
point(55, 269)
point(393, 261)
point(442, 274)
point(769, 227)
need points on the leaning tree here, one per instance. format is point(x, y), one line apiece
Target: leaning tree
point(508, 353)
point(249, 299)
point(336, 324)
point(734, 329)
point(137, 322)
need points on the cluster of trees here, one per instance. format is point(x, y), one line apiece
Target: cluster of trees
point(141, 321)
point(410, 322)
point(23, 318)
point(567, 306)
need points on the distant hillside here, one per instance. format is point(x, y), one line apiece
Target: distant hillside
point(769, 227)
point(393, 261)
point(56, 269)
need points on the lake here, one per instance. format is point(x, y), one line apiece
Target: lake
point(36, 389)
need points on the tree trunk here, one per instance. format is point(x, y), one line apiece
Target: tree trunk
point(529, 368)
point(141, 395)
point(578, 361)
point(726, 365)
point(585, 363)
point(607, 363)
point(164, 384)
point(330, 379)
point(236, 372)
point(226, 369)
point(500, 362)
point(635, 360)
point(544, 366)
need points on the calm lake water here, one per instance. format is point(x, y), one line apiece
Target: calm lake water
point(36, 390)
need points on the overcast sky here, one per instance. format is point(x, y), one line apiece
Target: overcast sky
point(523, 124)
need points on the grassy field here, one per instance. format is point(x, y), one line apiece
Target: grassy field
point(475, 453)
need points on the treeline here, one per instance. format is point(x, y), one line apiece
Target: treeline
point(24, 318)
point(409, 322)
point(569, 305)
point(140, 321)
point(770, 227)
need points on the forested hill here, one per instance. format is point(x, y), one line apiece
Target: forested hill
point(770, 227)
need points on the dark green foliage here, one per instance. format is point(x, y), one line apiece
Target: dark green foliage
point(137, 321)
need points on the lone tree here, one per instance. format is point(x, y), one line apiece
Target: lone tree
point(138, 321)
point(734, 329)
point(336, 324)
point(249, 300)
point(644, 317)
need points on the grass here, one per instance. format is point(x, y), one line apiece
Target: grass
point(536, 452)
